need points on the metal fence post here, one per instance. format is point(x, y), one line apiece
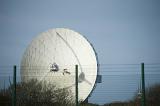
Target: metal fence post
point(76, 82)
point(14, 87)
point(143, 85)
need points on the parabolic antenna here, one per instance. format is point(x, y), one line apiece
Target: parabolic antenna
point(52, 57)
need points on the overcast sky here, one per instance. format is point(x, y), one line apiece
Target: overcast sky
point(122, 31)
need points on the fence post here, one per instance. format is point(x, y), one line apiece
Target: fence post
point(14, 87)
point(143, 84)
point(76, 82)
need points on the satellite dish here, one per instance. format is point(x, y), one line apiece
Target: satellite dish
point(52, 57)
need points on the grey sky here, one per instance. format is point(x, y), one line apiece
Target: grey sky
point(122, 31)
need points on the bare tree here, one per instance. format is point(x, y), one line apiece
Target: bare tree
point(34, 93)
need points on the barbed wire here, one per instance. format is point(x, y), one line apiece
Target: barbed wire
point(104, 64)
